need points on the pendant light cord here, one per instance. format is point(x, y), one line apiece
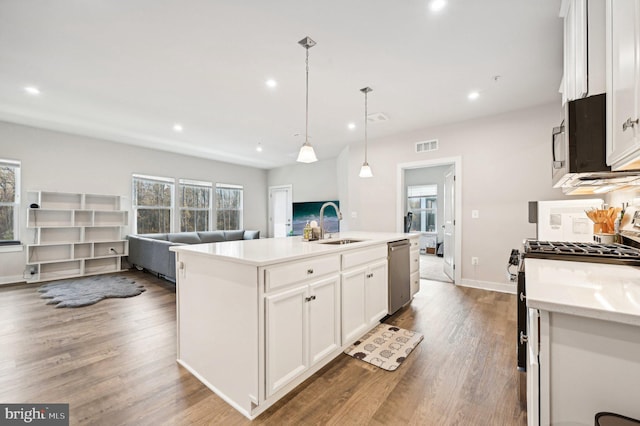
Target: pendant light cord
point(306, 119)
point(365, 127)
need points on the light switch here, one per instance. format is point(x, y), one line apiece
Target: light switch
point(354, 215)
point(475, 214)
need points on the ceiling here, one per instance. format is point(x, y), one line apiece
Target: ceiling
point(128, 71)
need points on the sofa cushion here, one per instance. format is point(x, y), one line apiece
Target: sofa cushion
point(184, 237)
point(154, 236)
point(233, 235)
point(211, 236)
point(251, 235)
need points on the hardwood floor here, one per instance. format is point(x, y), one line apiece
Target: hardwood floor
point(114, 363)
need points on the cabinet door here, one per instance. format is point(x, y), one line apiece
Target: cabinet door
point(324, 318)
point(415, 283)
point(376, 291)
point(354, 314)
point(623, 27)
point(286, 337)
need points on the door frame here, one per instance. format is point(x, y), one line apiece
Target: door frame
point(270, 230)
point(401, 197)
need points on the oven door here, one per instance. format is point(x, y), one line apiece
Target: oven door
point(533, 369)
point(521, 344)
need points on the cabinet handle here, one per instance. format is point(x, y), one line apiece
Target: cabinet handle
point(522, 297)
point(369, 275)
point(630, 123)
point(309, 271)
point(310, 298)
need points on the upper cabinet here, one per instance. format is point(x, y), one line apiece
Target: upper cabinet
point(623, 84)
point(584, 49)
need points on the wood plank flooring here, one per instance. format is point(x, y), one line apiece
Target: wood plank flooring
point(114, 363)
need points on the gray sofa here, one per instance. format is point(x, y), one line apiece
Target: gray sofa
point(151, 251)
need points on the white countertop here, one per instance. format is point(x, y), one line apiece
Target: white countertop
point(267, 251)
point(594, 290)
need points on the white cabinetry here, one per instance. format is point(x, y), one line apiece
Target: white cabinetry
point(414, 258)
point(574, 82)
point(364, 291)
point(623, 84)
point(74, 234)
point(302, 320)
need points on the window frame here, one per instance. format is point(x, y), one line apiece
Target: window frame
point(429, 192)
point(16, 165)
point(135, 207)
point(182, 208)
point(240, 210)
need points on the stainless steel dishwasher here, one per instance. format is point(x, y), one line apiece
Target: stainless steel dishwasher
point(399, 282)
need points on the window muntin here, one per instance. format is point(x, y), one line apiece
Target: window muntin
point(229, 206)
point(195, 205)
point(153, 204)
point(9, 202)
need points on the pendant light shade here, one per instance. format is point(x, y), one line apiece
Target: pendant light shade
point(307, 154)
point(365, 170)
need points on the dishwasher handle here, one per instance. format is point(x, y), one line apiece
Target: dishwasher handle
point(398, 247)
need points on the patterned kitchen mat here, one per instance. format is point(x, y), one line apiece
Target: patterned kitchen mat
point(386, 346)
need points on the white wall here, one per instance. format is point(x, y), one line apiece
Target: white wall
point(505, 164)
point(311, 182)
point(56, 161)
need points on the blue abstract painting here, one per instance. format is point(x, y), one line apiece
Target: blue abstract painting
point(308, 211)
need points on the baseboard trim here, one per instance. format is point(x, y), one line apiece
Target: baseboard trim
point(16, 279)
point(490, 285)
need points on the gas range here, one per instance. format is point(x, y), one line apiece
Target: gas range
point(618, 254)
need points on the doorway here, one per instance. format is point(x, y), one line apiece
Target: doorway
point(440, 243)
point(280, 211)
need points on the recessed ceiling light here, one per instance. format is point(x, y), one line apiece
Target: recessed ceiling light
point(437, 5)
point(472, 96)
point(177, 128)
point(32, 90)
point(351, 126)
point(271, 83)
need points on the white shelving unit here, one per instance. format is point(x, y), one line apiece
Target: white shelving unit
point(74, 234)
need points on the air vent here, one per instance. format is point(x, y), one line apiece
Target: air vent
point(426, 146)
point(376, 117)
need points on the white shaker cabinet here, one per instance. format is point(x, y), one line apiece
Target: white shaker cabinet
point(575, 77)
point(623, 84)
point(414, 256)
point(302, 327)
point(364, 291)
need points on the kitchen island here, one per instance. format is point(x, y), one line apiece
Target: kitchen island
point(588, 352)
point(256, 318)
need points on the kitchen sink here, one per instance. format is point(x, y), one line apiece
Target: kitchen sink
point(340, 241)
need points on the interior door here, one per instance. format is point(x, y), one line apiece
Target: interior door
point(280, 210)
point(449, 223)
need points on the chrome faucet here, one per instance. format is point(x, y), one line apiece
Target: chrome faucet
point(324, 206)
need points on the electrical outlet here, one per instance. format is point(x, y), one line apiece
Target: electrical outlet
point(474, 261)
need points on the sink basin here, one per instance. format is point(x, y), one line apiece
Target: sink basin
point(340, 241)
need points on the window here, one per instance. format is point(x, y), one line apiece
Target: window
point(422, 203)
point(195, 205)
point(9, 201)
point(152, 204)
point(228, 206)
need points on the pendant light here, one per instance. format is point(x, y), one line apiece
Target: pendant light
point(307, 154)
point(365, 170)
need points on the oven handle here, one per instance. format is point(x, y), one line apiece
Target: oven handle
point(523, 338)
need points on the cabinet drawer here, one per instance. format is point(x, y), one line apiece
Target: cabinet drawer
point(298, 271)
point(415, 243)
point(359, 257)
point(415, 283)
point(414, 261)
